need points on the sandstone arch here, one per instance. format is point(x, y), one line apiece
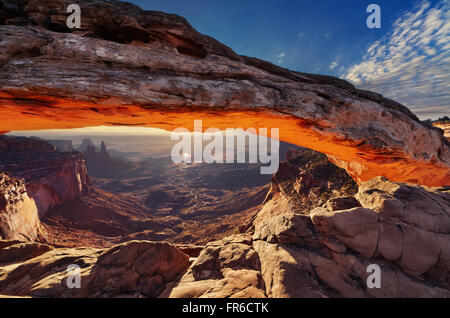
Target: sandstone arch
point(127, 66)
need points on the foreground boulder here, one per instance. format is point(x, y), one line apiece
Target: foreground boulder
point(317, 235)
point(226, 268)
point(132, 269)
point(127, 66)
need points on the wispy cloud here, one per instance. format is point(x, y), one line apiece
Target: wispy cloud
point(412, 63)
point(301, 34)
point(333, 65)
point(280, 57)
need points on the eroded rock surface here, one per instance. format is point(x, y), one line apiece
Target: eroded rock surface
point(51, 177)
point(132, 269)
point(19, 218)
point(226, 268)
point(127, 66)
point(445, 127)
point(402, 228)
point(304, 181)
point(322, 246)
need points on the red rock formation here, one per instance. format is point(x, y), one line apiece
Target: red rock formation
point(127, 66)
point(323, 248)
point(226, 268)
point(306, 180)
point(18, 212)
point(323, 252)
point(101, 164)
point(402, 228)
point(51, 177)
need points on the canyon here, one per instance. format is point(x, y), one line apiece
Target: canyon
point(374, 189)
point(93, 199)
point(311, 237)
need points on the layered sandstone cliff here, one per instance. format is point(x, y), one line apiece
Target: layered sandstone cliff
point(18, 212)
point(127, 66)
point(51, 177)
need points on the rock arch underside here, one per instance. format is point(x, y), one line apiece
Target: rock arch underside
point(131, 67)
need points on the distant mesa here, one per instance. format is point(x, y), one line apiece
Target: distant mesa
point(85, 144)
point(90, 153)
point(100, 163)
point(61, 145)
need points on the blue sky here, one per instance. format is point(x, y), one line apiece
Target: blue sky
point(408, 59)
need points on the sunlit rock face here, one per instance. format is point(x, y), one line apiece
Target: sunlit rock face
point(305, 245)
point(445, 127)
point(126, 66)
point(18, 212)
point(326, 252)
point(51, 177)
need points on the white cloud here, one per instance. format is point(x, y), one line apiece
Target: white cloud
point(280, 57)
point(412, 63)
point(333, 65)
point(327, 35)
point(301, 34)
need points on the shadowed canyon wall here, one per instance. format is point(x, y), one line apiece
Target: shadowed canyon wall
point(34, 177)
point(126, 66)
